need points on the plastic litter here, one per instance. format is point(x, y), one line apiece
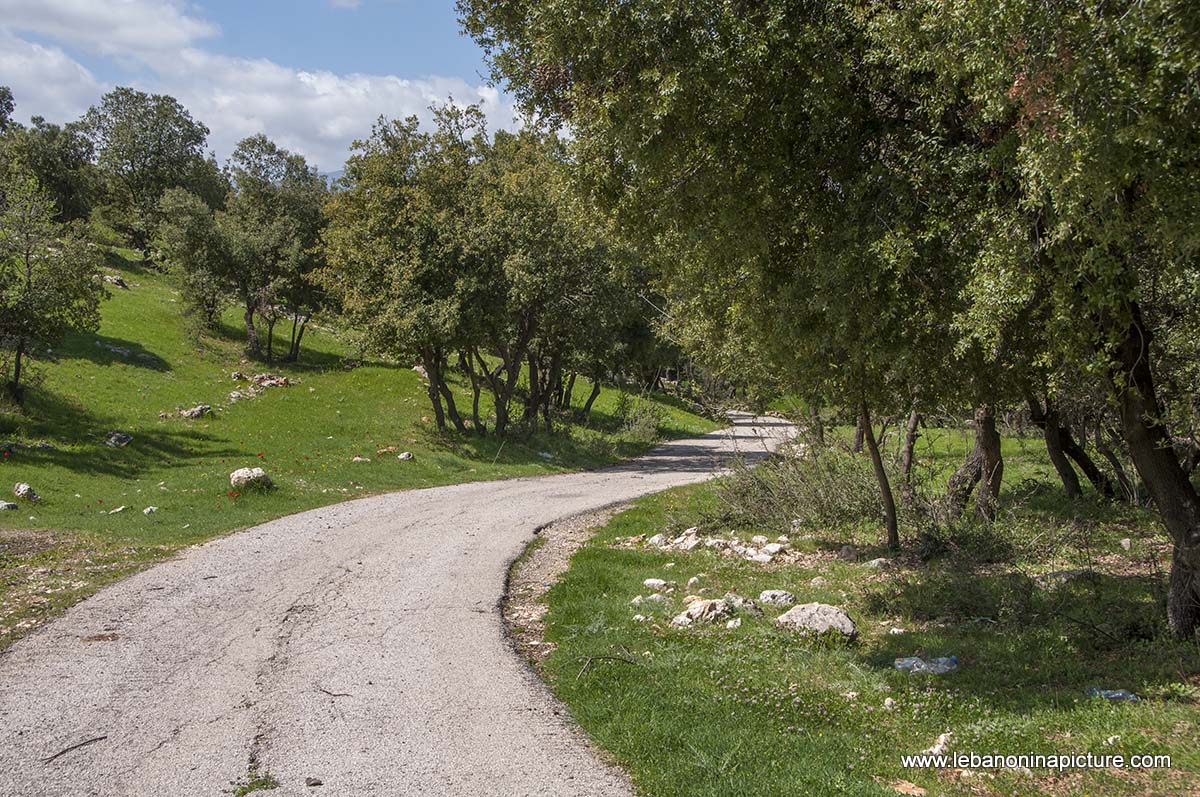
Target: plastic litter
point(938, 666)
point(1112, 694)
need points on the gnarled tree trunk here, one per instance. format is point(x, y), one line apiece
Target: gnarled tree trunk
point(991, 465)
point(1156, 462)
point(885, 488)
point(1047, 420)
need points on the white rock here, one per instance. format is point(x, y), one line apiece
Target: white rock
point(404, 456)
point(776, 597)
point(889, 703)
point(655, 583)
point(657, 597)
point(941, 745)
point(668, 565)
point(689, 543)
point(639, 618)
point(817, 582)
point(361, 459)
point(118, 510)
point(897, 631)
point(658, 540)
point(1127, 543)
point(774, 548)
point(716, 542)
point(692, 582)
point(250, 477)
point(23, 490)
point(782, 539)
point(759, 539)
point(199, 411)
point(638, 601)
point(764, 558)
point(879, 564)
point(150, 510)
point(117, 439)
point(703, 611)
point(818, 618)
point(420, 371)
point(691, 531)
point(8, 506)
point(690, 599)
point(734, 623)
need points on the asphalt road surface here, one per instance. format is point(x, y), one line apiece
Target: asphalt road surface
point(359, 645)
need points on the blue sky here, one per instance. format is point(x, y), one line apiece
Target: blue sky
point(312, 74)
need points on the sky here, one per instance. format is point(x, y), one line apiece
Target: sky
point(313, 75)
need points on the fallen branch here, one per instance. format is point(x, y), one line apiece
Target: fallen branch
point(333, 694)
point(591, 659)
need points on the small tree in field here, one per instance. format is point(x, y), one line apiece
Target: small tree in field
point(47, 276)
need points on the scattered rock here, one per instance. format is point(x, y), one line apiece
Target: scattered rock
point(404, 456)
point(116, 439)
point(638, 601)
point(1127, 543)
point(658, 540)
point(237, 395)
point(199, 411)
point(897, 631)
point(639, 618)
point(668, 565)
point(759, 539)
point(238, 376)
point(420, 371)
point(889, 702)
point(776, 597)
point(911, 789)
point(817, 582)
point(782, 539)
point(703, 611)
point(546, 455)
point(150, 510)
point(361, 459)
point(657, 597)
point(734, 623)
point(763, 558)
point(818, 618)
point(250, 477)
point(116, 279)
point(270, 380)
point(657, 584)
point(310, 782)
point(879, 564)
point(742, 605)
point(774, 548)
point(693, 581)
point(118, 510)
point(8, 506)
point(848, 553)
point(24, 491)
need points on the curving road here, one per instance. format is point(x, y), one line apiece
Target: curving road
point(360, 645)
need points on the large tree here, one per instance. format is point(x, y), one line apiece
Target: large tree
point(48, 281)
point(145, 144)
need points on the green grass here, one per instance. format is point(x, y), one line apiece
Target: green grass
point(306, 436)
point(758, 711)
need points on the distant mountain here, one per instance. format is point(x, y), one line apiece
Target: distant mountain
point(333, 177)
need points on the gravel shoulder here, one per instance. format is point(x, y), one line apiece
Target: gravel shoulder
point(360, 645)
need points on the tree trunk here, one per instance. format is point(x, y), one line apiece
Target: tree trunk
point(568, 390)
point(297, 335)
point(815, 424)
point(1172, 492)
point(912, 432)
point(591, 399)
point(1079, 454)
point(466, 364)
point(1047, 421)
point(1127, 488)
point(962, 482)
point(885, 488)
point(253, 348)
point(858, 437)
point(991, 465)
point(270, 339)
point(436, 368)
point(14, 387)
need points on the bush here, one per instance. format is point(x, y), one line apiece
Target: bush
point(821, 487)
point(640, 418)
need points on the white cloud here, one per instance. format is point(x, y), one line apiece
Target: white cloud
point(124, 28)
point(45, 81)
point(316, 113)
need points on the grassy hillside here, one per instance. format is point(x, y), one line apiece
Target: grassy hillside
point(1056, 597)
point(142, 368)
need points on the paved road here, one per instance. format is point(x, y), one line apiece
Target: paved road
point(360, 644)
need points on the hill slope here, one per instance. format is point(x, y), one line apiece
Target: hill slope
point(142, 368)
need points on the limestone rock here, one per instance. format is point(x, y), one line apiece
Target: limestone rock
point(817, 619)
point(742, 605)
point(199, 411)
point(404, 456)
point(24, 491)
point(250, 477)
point(703, 611)
point(116, 439)
point(777, 597)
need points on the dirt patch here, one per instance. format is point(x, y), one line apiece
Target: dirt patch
point(531, 577)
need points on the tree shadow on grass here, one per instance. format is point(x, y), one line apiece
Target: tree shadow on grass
point(310, 359)
point(105, 350)
point(1029, 645)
